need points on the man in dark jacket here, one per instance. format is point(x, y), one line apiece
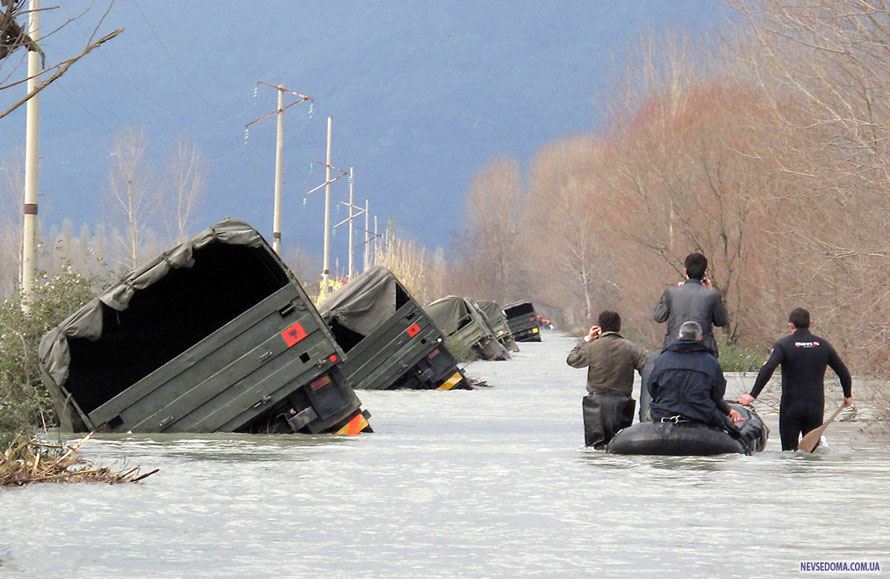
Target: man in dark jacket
point(687, 382)
point(611, 361)
point(804, 358)
point(694, 300)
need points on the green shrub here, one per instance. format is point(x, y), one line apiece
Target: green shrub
point(24, 401)
point(737, 358)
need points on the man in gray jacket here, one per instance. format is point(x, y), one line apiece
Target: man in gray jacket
point(611, 361)
point(694, 300)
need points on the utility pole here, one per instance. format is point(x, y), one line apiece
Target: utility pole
point(349, 268)
point(367, 256)
point(328, 167)
point(279, 152)
point(375, 240)
point(32, 128)
point(354, 212)
point(279, 165)
point(326, 271)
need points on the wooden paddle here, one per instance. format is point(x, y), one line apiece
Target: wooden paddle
point(811, 439)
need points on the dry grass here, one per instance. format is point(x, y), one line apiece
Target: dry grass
point(30, 460)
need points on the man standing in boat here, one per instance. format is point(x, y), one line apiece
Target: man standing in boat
point(804, 358)
point(610, 360)
point(687, 383)
point(693, 300)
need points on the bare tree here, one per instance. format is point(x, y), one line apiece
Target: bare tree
point(13, 37)
point(564, 230)
point(420, 271)
point(487, 243)
point(304, 265)
point(134, 198)
point(185, 180)
point(824, 68)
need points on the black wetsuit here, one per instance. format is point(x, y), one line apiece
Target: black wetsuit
point(803, 357)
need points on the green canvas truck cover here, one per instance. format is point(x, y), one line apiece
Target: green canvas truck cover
point(497, 319)
point(495, 316)
point(450, 313)
point(224, 310)
point(466, 332)
point(389, 340)
point(364, 303)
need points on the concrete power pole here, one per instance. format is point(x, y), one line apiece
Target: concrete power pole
point(367, 256)
point(328, 180)
point(279, 152)
point(350, 270)
point(354, 213)
point(279, 164)
point(376, 236)
point(326, 270)
point(32, 127)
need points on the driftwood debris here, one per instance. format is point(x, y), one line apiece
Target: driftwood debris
point(30, 460)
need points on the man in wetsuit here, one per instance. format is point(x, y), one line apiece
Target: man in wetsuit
point(804, 358)
point(687, 383)
point(610, 360)
point(694, 300)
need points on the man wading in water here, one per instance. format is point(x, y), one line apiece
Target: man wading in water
point(610, 360)
point(804, 358)
point(693, 300)
point(687, 383)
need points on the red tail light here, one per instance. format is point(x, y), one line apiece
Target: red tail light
point(333, 358)
point(320, 383)
point(433, 354)
point(413, 330)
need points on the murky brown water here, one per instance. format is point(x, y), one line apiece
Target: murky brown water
point(483, 483)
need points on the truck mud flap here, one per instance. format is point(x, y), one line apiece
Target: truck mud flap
point(356, 424)
point(453, 381)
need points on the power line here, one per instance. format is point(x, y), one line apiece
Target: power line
point(85, 109)
point(136, 88)
point(175, 64)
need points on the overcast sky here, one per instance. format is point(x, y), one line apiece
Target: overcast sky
point(422, 94)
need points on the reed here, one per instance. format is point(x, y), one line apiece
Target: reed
point(29, 460)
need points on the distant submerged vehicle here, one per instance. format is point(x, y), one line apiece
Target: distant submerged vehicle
point(389, 340)
point(467, 335)
point(523, 321)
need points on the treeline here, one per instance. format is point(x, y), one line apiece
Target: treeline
point(767, 151)
point(769, 154)
point(142, 212)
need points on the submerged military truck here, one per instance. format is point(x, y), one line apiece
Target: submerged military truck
point(215, 335)
point(523, 322)
point(466, 333)
point(389, 340)
point(497, 321)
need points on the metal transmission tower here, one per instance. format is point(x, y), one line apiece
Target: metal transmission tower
point(279, 151)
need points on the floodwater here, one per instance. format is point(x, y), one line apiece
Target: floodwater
point(493, 482)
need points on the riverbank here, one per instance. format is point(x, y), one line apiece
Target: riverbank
point(494, 481)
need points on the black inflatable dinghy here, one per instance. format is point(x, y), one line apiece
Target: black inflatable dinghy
point(691, 438)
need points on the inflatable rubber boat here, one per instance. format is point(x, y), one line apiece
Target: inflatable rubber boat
point(691, 438)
